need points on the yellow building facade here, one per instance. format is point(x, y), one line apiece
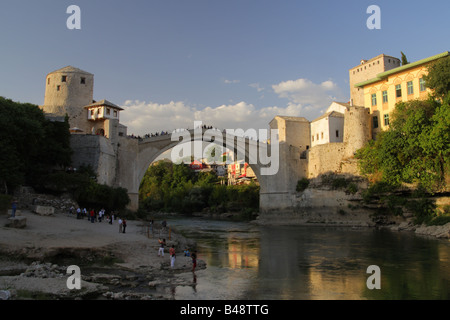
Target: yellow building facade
point(404, 83)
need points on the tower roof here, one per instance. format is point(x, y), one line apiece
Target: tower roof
point(70, 69)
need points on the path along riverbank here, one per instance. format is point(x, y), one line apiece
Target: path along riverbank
point(34, 260)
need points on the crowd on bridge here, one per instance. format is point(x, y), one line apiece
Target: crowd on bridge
point(165, 133)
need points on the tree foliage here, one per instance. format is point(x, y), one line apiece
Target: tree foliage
point(415, 149)
point(176, 188)
point(31, 145)
point(438, 78)
point(404, 59)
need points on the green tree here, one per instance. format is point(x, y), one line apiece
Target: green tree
point(404, 59)
point(438, 78)
point(415, 149)
point(31, 145)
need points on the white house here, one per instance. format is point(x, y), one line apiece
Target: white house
point(329, 127)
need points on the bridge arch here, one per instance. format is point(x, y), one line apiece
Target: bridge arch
point(150, 149)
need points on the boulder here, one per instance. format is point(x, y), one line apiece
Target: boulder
point(17, 222)
point(18, 213)
point(44, 210)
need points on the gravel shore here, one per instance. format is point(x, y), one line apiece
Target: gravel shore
point(34, 260)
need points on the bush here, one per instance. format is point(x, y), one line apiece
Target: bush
point(302, 185)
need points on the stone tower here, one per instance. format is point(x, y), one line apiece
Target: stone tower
point(368, 69)
point(68, 91)
point(357, 129)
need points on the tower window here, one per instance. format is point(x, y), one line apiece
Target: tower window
point(64, 79)
point(337, 133)
point(58, 88)
point(48, 81)
point(83, 80)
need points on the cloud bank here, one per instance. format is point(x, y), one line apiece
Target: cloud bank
point(305, 99)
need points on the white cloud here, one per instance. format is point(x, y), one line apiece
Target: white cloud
point(149, 117)
point(231, 81)
point(256, 86)
point(305, 99)
point(311, 96)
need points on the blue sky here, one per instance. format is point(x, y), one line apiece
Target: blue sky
point(232, 64)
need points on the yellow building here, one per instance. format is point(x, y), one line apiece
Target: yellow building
point(404, 83)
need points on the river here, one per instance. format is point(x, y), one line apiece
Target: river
point(246, 261)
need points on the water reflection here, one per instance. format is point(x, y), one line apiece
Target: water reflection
point(250, 262)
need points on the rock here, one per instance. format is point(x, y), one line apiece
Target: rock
point(5, 294)
point(17, 214)
point(17, 222)
point(44, 210)
point(435, 231)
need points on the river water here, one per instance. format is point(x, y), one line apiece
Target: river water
point(246, 261)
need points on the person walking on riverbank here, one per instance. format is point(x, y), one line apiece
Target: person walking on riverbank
point(92, 215)
point(120, 225)
point(172, 256)
point(162, 243)
point(194, 260)
point(124, 225)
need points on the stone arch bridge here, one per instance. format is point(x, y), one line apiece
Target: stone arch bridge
point(123, 162)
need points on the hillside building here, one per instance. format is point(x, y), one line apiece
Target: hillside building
point(384, 90)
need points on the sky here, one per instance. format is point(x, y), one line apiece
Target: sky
point(228, 63)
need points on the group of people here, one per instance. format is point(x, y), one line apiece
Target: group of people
point(99, 216)
point(149, 135)
point(172, 253)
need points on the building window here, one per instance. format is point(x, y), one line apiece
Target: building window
point(375, 122)
point(83, 80)
point(92, 113)
point(312, 138)
point(398, 91)
point(386, 119)
point(337, 133)
point(48, 81)
point(321, 135)
point(317, 136)
point(410, 87)
point(422, 84)
point(374, 99)
point(64, 79)
point(58, 88)
point(108, 111)
point(385, 96)
point(115, 114)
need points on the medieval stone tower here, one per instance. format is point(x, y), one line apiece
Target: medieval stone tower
point(68, 91)
point(357, 129)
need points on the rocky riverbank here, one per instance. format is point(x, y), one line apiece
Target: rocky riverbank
point(34, 260)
